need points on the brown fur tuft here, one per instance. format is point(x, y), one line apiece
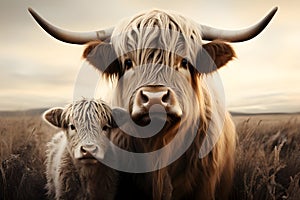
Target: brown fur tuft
point(90, 46)
point(220, 52)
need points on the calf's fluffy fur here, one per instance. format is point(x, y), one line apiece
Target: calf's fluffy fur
point(67, 177)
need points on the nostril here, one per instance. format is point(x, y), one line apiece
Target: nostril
point(94, 149)
point(166, 97)
point(144, 98)
point(83, 151)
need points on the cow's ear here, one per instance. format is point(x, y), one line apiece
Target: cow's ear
point(103, 57)
point(213, 56)
point(54, 117)
point(120, 116)
point(89, 47)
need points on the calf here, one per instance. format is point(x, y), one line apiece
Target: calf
point(73, 155)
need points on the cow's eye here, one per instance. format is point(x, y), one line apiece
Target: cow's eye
point(105, 128)
point(72, 127)
point(184, 63)
point(128, 63)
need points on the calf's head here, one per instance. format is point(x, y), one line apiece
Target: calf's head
point(85, 123)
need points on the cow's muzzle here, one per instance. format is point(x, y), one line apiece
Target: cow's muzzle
point(159, 100)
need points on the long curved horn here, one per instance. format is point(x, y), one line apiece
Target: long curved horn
point(209, 33)
point(69, 36)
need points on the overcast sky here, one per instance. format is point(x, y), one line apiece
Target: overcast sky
point(39, 71)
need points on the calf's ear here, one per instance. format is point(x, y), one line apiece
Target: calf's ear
point(103, 57)
point(54, 117)
point(213, 56)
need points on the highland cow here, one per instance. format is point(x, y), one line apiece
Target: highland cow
point(163, 72)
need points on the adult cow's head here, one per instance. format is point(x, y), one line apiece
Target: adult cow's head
point(159, 60)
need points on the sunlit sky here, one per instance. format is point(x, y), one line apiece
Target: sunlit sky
point(38, 71)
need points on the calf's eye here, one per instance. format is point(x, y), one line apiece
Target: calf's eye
point(72, 127)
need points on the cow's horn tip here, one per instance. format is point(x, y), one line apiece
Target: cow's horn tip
point(30, 10)
point(275, 9)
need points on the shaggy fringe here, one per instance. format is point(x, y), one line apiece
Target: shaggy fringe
point(143, 37)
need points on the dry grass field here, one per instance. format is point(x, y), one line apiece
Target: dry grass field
point(267, 164)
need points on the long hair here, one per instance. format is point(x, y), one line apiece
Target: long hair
point(87, 113)
point(158, 30)
point(157, 38)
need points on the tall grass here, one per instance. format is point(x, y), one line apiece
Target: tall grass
point(22, 147)
point(267, 159)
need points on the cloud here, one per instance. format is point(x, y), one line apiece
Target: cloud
point(37, 70)
point(267, 102)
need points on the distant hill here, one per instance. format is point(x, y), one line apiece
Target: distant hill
point(39, 111)
point(254, 114)
point(30, 112)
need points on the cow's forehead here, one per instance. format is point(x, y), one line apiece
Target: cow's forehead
point(161, 19)
point(84, 111)
point(157, 29)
